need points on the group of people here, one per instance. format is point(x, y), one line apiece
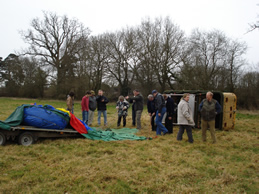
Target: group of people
point(158, 105)
point(89, 104)
point(208, 108)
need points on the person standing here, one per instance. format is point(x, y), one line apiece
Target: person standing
point(101, 107)
point(169, 113)
point(209, 108)
point(160, 111)
point(92, 107)
point(151, 111)
point(185, 118)
point(133, 113)
point(138, 103)
point(70, 102)
point(85, 107)
point(122, 107)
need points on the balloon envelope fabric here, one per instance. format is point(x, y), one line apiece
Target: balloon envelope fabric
point(45, 117)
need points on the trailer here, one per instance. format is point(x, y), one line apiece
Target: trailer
point(27, 135)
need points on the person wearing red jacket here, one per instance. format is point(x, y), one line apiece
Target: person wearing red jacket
point(85, 107)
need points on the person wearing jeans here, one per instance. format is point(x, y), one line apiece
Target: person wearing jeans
point(101, 107)
point(85, 107)
point(160, 111)
point(104, 112)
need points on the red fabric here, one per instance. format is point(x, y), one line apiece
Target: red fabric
point(85, 103)
point(77, 125)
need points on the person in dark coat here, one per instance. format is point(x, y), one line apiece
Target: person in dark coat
point(138, 102)
point(151, 111)
point(169, 113)
point(133, 113)
point(92, 107)
point(160, 111)
point(101, 107)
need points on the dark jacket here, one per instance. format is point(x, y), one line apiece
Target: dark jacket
point(101, 102)
point(159, 102)
point(209, 110)
point(92, 103)
point(139, 102)
point(169, 107)
point(151, 106)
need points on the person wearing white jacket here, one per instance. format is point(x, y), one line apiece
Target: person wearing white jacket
point(185, 118)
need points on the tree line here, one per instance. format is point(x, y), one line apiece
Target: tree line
point(63, 56)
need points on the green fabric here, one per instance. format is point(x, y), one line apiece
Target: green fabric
point(113, 134)
point(14, 119)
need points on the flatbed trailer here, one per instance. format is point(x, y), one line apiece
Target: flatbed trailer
point(27, 135)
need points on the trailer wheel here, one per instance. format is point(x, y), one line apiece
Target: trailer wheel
point(26, 139)
point(2, 138)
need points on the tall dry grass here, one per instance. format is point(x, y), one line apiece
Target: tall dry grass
point(161, 165)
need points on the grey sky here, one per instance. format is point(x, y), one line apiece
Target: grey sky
point(230, 16)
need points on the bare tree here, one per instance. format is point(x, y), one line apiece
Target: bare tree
point(235, 51)
point(254, 25)
point(211, 61)
point(121, 63)
point(57, 41)
point(160, 45)
point(97, 58)
point(207, 57)
point(247, 90)
point(145, 46)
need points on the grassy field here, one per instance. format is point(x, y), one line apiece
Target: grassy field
point(161, 165)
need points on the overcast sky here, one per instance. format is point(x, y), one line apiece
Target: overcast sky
point(230, 16)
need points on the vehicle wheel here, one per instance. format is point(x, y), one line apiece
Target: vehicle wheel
point(26, 139)
point(2, 138)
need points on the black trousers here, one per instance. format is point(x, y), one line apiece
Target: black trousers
point(133, 117)
point(181, 131)
point(119, 120)
point(152, 120)
point(169, 124)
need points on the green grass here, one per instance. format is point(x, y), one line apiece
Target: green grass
point(161, 165)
